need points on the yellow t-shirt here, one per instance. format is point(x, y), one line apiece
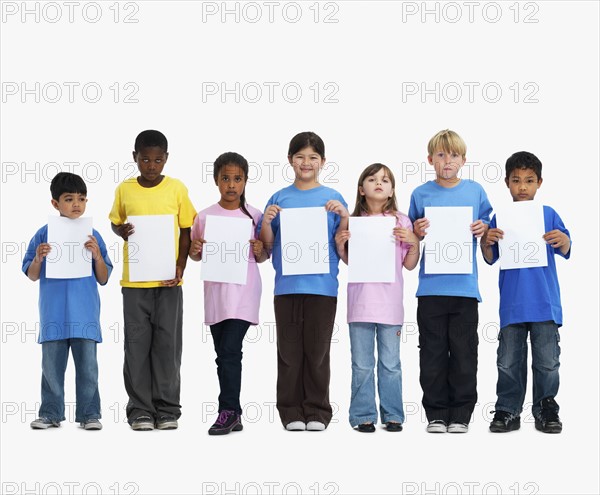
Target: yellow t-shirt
point(170, 197)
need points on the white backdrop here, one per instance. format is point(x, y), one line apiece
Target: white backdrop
point(375, 80)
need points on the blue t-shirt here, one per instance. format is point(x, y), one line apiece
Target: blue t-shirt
point(532, 294)
point(325, 284)
point(466, 193)
point(69, 307)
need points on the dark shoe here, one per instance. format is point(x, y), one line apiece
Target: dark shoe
point(548, 420)
point(437, 426)
point(227, 422)
point(391, 426)
point(142, 423)
point(167, 422)
point(44, 424)
point(504, 422)
point(91, 424)
point(366, 428)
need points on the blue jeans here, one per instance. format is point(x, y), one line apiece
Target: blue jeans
point(512, 365)
point(54, 363)
point(389, 373)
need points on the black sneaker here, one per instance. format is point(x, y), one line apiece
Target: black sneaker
point(504, 422)
point(142, 423)
point(227, 422)
point(167, 422)
point(548, 420)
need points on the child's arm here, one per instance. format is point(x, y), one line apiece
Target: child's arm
point(124, 230)
point(259, 251)
point(409, 237)
point(33, 272)
point(196, 249)
point(491, 237)
point(266, 232)
point(184, 249)
point(420, 228)
point(558, 240)
point(100, 268)
point(341, 244)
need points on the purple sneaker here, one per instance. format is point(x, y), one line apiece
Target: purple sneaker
point(226, 422)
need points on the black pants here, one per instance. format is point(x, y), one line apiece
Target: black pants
point(304, 329)
point(228, 337)
point(448, 356)
point(153, 344)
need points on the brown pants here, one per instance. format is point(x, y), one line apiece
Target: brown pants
point(304, 330)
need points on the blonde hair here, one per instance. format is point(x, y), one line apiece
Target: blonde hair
point(361, 207)
point(447, 141)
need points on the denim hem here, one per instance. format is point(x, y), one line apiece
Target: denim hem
point(391, 417)
point(83, 420)
point(514, 412)
point(358, 421)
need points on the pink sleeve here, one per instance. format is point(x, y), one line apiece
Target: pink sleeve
point(198, 226)
point(404, 222)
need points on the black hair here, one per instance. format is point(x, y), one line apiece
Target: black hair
point(147, 139)
point(66, 182)
point(524, 160)
point(304, 139)
point(232, 158)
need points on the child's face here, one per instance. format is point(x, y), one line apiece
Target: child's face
point(231, 181)
point(70, 205)
point(523, 184)
point(446, 164)
point(306, 164)
point(377, 186)
point(150, 162)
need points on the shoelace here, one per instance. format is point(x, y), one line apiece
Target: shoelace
point(223, 417)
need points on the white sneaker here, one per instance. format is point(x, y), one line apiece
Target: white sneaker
point(436, 426)
point(295, 426)
point(458, 428)
point(315, 426)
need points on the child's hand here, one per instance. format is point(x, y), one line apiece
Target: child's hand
point(42, 251)
point(196, 247)
point(405, 235)
point(420, 227)
point(479, 228)
point(257, 248)
point(125, 230)
point(557, 239)
point(492, 236)
point(93, 247)
point(337, 207)
point(270, 213)
point(341, 237)
point(174, 281)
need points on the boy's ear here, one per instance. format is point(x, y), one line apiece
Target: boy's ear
point(166, 156)
point(430, 159)
point(54, 203)
point(134, 153)
point(506, 181)
point(540, 180)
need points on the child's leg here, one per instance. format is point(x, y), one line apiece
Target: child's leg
point(290, 357)
point(54, 363)
point(462, 369)
point(228, 337)
point(138, 305)
point(86, 379)
point(389, 373)
point(165, 355)
point(362, 348)
point(545, 351)
point(317, 329)
point(512, 368)
point(432, 318)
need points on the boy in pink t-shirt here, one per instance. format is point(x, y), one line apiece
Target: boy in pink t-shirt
point(230, 308)
point(375, 310)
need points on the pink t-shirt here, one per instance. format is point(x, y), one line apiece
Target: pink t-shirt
point(381, 302)
point(223, 301)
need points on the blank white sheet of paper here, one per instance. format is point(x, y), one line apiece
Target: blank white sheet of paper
point(68, 257)
point(226, 252)
point(304, 241)
point(523, 225)
point(372, 250)
point(449, 242)
point(151, 248)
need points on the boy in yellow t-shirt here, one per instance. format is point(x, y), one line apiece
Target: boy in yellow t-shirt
point(153, 311)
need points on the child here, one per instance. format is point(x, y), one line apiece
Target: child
point(229, 308)
point(447, 303)
point(529, 304)
point(376, 310)
point(305, 305)
point(69, 315)
point(153, 310)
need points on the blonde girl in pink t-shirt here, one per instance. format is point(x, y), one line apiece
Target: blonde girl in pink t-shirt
point(230, 308)
point(376, 312)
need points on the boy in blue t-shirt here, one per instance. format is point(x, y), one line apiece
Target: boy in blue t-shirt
point(529, 304)
point(447, 312)
point(69, 315)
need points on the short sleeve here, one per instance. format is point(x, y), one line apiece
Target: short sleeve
point(117, 216)
point(186, 209)
point(104, 253)
point(485, 207)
